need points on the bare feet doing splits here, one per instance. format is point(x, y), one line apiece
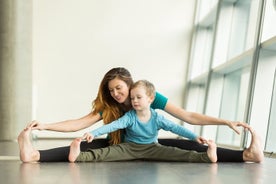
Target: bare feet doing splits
point(212, 151)
point(74, 150)
point(254, 153)
point(27, 152)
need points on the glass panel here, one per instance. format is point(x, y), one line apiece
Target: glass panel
point(196, 98)
point(252, 23)
point(236, 29)
point(269, 28)
point(233, 104)
point(213, 104)
point(201, 52)
point(205, 7)
point(203, 37)
point(194, 103)
point(261, 105)
point(223, 34)
point(271, 136)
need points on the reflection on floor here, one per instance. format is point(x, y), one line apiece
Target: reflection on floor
point(14, 171)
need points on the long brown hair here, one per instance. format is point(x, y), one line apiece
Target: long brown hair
point(104, 103)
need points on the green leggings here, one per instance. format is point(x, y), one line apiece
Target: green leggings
point(132, 151)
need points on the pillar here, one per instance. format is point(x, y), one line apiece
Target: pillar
point(15, 67)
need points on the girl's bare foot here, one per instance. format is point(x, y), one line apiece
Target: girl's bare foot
point(27, 152)
point(74, 150)
point(212, 151)
point(254, 153)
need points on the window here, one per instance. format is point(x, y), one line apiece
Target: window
point(223, 62)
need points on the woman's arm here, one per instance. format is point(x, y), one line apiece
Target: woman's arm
point(200, 119)
point(67, 125)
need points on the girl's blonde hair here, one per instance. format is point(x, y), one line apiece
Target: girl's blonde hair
point(148, 86)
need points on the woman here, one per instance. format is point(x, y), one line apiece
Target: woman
point(111, 103)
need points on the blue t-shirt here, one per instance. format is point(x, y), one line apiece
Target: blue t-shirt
point(143, 132)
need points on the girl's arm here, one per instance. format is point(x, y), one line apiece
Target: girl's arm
point(68, 125)
point(120, 123)
point(105, 129)
point(200, 119)
point(179, 130)
point(168, 125)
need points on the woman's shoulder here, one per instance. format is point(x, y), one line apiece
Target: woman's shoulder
point(159, 102)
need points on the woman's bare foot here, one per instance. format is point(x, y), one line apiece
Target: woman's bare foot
point(254, 153)
point(74, 150)
point(27, 152)
point(212, 151)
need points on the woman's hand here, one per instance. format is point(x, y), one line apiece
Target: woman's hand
point(88, 137)
point(35, 125)
point(235, 124)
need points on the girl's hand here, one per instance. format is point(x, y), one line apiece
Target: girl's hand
point(201, 140)
point(88, 137)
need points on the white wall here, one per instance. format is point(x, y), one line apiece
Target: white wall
point(76, 42)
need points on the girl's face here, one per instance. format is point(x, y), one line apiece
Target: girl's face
point(118, 90)
point(139, 99)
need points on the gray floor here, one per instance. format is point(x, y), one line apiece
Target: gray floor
point(14, 171)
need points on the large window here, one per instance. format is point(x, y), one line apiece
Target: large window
point(233, 61)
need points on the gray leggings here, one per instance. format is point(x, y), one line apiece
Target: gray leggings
point(132, 151)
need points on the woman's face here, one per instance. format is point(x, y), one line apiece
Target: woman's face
point(118, 90)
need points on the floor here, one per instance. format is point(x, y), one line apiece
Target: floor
point(13, 171)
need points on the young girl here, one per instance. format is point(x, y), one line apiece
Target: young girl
point(111, 103)
point(141, 130)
